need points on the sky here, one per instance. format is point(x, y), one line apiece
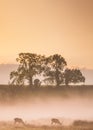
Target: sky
point(47, 27)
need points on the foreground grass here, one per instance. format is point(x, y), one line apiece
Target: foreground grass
point(6, 126)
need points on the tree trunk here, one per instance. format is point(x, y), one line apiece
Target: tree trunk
point(66, 82)
point(57, 78)
point(30, 82)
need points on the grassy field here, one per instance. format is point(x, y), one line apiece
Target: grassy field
point(7, 126)
point(15, 95)
point(8, 91)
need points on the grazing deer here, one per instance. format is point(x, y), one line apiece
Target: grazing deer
point(55, 121)
point(19, 120)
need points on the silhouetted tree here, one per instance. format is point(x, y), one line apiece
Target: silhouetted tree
point(29, 65)
point(55, 65)
point(17, 77)
point(52, 67)
point(73, 76)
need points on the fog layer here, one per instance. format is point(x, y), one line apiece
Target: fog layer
point(69, 108)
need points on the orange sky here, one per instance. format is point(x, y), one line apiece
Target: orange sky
point(47, 27)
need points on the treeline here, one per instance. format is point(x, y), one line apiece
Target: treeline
point(35, 70)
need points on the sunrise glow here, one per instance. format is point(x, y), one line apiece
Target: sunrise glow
point(47, 27)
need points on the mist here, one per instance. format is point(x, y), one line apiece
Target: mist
point(36, 109)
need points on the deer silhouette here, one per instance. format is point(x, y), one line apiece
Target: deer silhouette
point(55, 121)
point(19, 120)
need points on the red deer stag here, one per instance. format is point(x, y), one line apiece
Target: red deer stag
point(19, 120)
point(55, 121)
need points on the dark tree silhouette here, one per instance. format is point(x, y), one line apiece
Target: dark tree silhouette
point(73, 76)
point(29, 65)
point(54, 69)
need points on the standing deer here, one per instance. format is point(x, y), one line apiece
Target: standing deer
point(19, 120)
point(55, 121)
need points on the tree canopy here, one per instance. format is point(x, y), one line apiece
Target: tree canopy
point(29, 65)
point(73, 76)
point(52, 69)
point(55, 66)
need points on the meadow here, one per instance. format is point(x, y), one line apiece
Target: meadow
point(64, 102)
point(8, 92)
point(10, 126)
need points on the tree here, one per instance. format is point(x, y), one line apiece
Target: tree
point(29, 65)
point(73, 76)
point(55, 65)
point(17, 78)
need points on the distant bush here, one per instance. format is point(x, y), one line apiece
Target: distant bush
point(82, 123)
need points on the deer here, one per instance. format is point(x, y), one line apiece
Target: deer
point(19, 120)
point(55, 121)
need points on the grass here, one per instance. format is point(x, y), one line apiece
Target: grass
point(45, 128)
point(7, 91)
point(11, 126)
